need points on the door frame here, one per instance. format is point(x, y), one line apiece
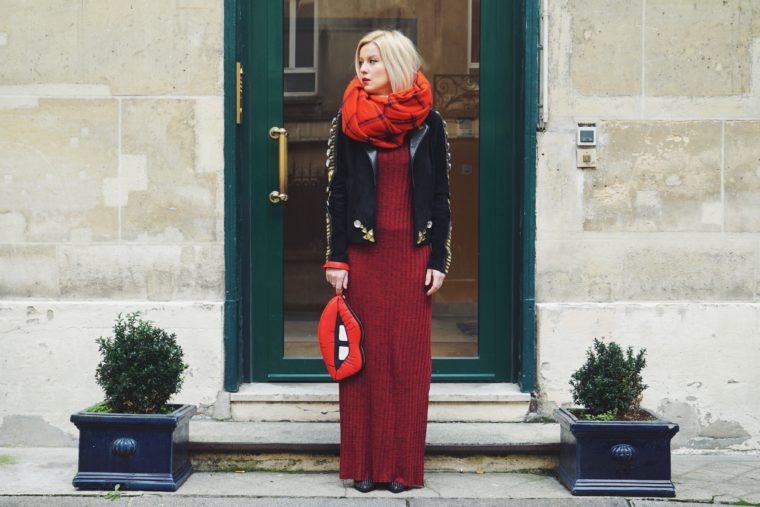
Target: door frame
point(521, 105)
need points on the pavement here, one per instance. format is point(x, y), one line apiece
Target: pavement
point(42, 477)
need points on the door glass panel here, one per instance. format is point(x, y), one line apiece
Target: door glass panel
point(320, 37)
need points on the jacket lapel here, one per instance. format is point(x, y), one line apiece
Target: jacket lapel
point(415, 139)
point(372, 154)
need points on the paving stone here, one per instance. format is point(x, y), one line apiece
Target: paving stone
point(660, 503)
point(42, 476)
point(62, 501)
point(521, 502)
point(259, 484)
point(163, 501)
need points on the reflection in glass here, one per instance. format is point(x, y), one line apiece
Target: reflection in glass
point(299, 47)
point(318, 63)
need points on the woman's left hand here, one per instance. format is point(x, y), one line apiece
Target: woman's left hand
point(434, 278)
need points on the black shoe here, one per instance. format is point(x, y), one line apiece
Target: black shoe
point(396, 487)
point(364, 486)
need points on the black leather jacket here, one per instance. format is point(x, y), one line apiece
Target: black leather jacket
point(351, 193)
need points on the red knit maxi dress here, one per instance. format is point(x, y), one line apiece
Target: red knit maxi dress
point(384, 407)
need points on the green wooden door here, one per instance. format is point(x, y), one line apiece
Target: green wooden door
point(297, 57)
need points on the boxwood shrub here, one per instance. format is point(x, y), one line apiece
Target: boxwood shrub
point(141, 368)
point(610, 381)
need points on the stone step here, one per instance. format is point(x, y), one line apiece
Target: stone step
point(318, 402)
point(314, 446)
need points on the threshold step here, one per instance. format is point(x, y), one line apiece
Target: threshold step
point(456, 438)
point(226, 446)
point(328, 391)
point(318, 402)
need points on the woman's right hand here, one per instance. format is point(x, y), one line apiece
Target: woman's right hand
point(338, 278)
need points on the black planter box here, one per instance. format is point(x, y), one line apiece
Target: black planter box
point(630, 458)
point(139, 452)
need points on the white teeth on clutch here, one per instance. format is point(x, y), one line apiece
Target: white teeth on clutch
point(343, 338)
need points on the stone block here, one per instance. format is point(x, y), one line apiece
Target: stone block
point(202, 272)
point(56, 157)
point(697, 48)
point(329, 411)
point(12, 227)
point(28, 271)
point(478, 412)
point(742, 176)
point(655, 176)
point(701, 362)
point(132, 48)
point(293, 411)
point(221, 408)
point(114, 271)
point(709, 268)
point(606, 34)
point(688, 74)
point(650, 268)
point(559, 184)
point(29, 51)
point(168, 198)
point(209, 135)
point(47, 367)
point(147, 272)
point(32, 431)
point(572, 269)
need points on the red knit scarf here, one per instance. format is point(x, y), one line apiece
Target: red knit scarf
point(383, 121)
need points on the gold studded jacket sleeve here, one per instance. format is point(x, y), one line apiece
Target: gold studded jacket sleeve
point(335, 219)
point(440, 254)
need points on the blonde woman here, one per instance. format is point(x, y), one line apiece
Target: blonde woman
point(388, 247)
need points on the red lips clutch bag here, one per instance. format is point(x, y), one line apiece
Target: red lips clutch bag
point(340, 337)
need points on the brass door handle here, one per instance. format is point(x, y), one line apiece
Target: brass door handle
point(282, 135)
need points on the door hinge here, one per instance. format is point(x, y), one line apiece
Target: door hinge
point(238, 93)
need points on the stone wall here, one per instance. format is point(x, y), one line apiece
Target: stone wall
point(658, 246)
point(111, 194)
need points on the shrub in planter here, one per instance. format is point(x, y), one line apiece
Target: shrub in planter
point(134, 438)
point(609, 385)
point(611, 446)
point(141, 368)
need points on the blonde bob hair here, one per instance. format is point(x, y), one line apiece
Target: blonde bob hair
point(399, 55)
